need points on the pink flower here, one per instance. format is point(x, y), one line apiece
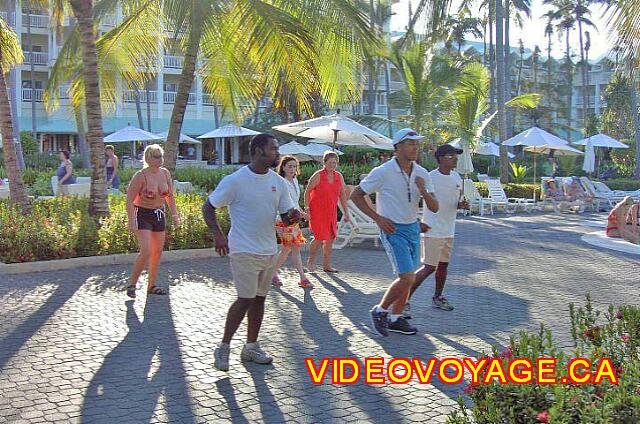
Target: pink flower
point(469, 389)
point(619, 315)
point(507, 353)
point(625, 338)
point(543, 417)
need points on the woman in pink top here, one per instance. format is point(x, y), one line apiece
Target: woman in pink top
point(321, 198)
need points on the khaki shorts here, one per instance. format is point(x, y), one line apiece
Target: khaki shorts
point(435, 250)
point(252, 273)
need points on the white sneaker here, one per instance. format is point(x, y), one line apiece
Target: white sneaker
point(221, 357)
point(252, 352)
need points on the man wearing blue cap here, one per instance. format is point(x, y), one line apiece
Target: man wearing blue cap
point(400, 183)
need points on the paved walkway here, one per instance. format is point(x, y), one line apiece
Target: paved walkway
point(73, 349)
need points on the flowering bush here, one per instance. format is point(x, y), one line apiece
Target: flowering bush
point(614, 335)
point(61, 228)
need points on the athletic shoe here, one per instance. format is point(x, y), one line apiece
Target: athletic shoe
point(275, 281)
point(254, 353)
point(221, 356)
point(379, 321)
point(406, 312)
point(402, 326)
point(441, 302)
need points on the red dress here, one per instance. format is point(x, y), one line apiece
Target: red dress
point(323, 204)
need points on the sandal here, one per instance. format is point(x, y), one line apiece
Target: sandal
point(156, 290)
point(305, 284)
point(275, 281)
point(330, 270)
point(131, 291)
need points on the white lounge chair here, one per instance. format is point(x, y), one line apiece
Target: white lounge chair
point(557, 205)
point(509, 204)
point(4, 191)
point(359, 227)
point(476, 201)
point(81, 187)
point(603, 189)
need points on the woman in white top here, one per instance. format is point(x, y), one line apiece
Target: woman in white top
point(290, 237)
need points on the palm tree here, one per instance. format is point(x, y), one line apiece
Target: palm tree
point(548, 32)
point(500, 83)
point(521, 51)
point(10, 55)
point(245, 44)
point(581, 11)
point(520, 7)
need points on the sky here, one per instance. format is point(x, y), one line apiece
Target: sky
point(533, 28)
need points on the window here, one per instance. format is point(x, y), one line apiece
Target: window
point(172, 87)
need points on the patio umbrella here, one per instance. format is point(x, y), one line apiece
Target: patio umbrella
point(295, 149)
point(465, 164)
point(559, 150)
point(229, 131)
point(318, 150)
point(537, 140)
point(602, 140)
point(184, 139)
point(131, 134)
point(336, 129)
point(589, 164)
point(490, 149)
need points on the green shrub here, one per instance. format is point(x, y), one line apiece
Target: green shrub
point(511, 190)
point(627, 184)
point(614, 335)
point(60, 227)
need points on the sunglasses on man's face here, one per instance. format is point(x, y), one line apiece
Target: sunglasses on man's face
point(449, 157)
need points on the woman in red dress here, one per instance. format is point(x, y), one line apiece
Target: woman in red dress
point(321, 198)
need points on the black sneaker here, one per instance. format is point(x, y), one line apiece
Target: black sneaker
point(402, 326)
point(379, 321)
point(406, 312)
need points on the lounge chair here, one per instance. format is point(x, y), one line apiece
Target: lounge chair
point(558, 202)
point(4, 191)
point(476, 201)
point(359, 227)
point(598, 196)
point(82, 186)
point(509, 204)
point(603, 189)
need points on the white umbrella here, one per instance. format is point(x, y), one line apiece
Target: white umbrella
point(185, 139)
point(130, 133)
point(559, 150)
point(489, 149)
point(229, 131)
point(336, 129)
point(465, 164)
point(295, 149)
point(602, 140)
point(318, 150)
point(589, 164)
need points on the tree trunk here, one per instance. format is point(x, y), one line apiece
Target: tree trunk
point(146, 91)
point(387, 89)
point(98, 201)
point(17, 190)
point(492, 56)
point(583, 68)
point(507, 66)
point(82, 139)
point(372, 67)
point(16, 93)
point(136, 90)
point(520, 75)
point(569, 84)
point(549, 75)
point(636, 124)
point(500, 78)
point(182, 97)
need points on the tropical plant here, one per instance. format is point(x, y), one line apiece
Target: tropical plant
point(500, 80)
point(10, 55)
point(255, 48)
point(518, 172)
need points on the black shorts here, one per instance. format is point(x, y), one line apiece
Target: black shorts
point(150, 219)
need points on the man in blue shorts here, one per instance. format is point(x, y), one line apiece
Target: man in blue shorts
point(400, 183)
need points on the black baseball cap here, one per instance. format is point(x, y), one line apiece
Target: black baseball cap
point(447, 149)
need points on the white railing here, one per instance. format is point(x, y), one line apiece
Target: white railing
point(173, 61)
point(170, 97)
point(109, 20)
point(39, 58)
point(64, 91)
point(129, 96)
point(37, 21)
point(207, 99)
point(9, 17)
point(28, 94)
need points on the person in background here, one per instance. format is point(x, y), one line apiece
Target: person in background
point(290, 236)
point(321, 197)
point(65, 173)
point(111, 165)
point(149, 190)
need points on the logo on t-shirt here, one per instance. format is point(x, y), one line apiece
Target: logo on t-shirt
point(273, 188)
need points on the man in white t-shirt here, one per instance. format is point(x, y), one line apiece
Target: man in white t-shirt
point(254, 195)
point(400, 183)
point(438, 241)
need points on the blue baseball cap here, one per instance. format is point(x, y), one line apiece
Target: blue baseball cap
point(406, 134)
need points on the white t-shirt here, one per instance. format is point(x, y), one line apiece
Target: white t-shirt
point(393, 186)
point(447, 189)
point(254, 201)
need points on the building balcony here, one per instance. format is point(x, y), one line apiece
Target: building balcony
point(169, 97)
point(109, 20)
point(9, 17)
point(129, 96)
point(173, 61)
point(37, 21)
point(207, 99)
point(37, 58)
point(29, 95)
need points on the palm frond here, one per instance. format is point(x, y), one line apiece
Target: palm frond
point(10, 45)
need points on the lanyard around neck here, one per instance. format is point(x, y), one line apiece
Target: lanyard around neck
point(407, 179)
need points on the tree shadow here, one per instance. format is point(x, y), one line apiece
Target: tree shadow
point(144, 372)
